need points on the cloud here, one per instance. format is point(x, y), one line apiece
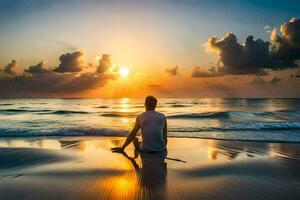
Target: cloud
point(275, 80)
point(237, 58)
point(71, 62)
point(62, 44)
point(212, 72)
point(287, 46)
point(104, 63)
point(50, 84)
point(263, 72)
point(258, 81)
point(172, 71)
point(38, 68)
point(10, 68)
point(256, 55)
point(39, 81)
point(268, 29)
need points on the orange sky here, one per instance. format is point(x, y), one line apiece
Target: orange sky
point(149, 38)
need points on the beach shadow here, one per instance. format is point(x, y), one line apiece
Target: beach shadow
point(18, 158)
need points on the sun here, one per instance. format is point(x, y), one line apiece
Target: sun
point(124, 72)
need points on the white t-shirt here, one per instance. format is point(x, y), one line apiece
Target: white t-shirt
point(152, 125)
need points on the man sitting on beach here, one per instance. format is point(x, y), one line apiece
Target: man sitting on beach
point(153, 126)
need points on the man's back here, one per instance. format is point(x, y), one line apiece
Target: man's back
point(154, 129)
point(152, 124)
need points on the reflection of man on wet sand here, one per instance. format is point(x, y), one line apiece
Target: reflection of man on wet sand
point(153, 126)
point(152, 174)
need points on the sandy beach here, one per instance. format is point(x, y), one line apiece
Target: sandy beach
point(85, 168)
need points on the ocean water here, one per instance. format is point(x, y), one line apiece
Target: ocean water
point(228, 119)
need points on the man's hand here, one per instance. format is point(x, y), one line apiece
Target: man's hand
point(117, 149)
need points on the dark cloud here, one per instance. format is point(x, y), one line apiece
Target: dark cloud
point(104, 63)
point(287, 46)
point(38, 68)
point(39, 81)
point(262, 72)
point(10, 68)
point(240, 59)
point(211, 72)
point(256, 55)
point(71, 62)
point(258, 81)
point(50, 84)
point(172, 71)
point(275, 80)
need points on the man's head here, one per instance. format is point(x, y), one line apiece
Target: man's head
point(150, 103)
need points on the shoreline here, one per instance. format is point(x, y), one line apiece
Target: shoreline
point(120, 136)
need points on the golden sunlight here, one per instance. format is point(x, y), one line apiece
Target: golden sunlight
point(124, 72)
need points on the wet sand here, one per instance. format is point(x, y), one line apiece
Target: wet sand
point(85, 168)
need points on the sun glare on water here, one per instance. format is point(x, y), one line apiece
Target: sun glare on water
point(124, 72)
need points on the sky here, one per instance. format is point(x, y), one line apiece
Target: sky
point(170, 48)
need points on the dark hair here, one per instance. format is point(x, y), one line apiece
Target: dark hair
point(150, 103)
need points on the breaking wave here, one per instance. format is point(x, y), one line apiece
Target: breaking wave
point(63, 132)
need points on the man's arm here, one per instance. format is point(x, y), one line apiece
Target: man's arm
point(129, 138)
point(132, 134)
point(166, 132)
